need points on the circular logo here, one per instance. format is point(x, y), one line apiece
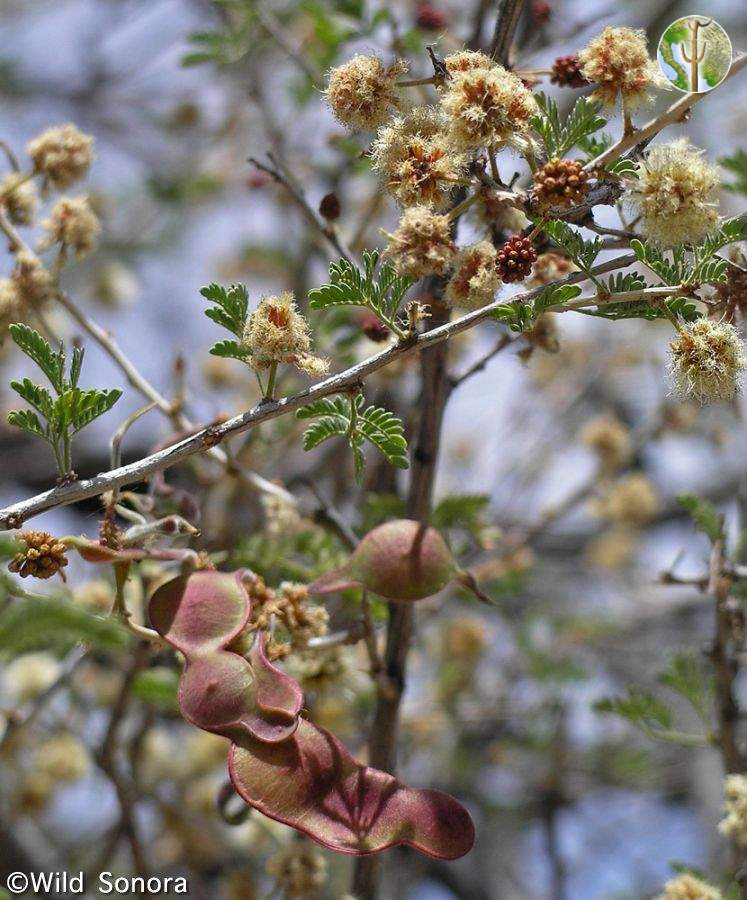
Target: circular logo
point(694, 53)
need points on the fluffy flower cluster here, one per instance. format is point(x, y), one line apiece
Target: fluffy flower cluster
point(617, 62)
point(61, 155)
point(688, 887)
point(362, 92)
point(630, 501)
point(19, 198)
point(487, 105)
point(675, 194)
point(610, 441)
point(72, 223)
point(416, 158)
point(291, 608)
point(422, 244)
point(277, 332)
point(706, 362)
point(475, 279)
point(734, 823)
point(42, 557)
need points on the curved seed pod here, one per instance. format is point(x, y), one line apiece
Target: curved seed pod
point(220, 691)
point(400, 560)
point(312, 783)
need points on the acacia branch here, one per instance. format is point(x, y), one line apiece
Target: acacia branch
point(677, 112)
point(351, 379)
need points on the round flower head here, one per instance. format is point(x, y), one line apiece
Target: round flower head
point(631, 500)
point(734, 824)
point(617, 62)
point(20, 198)
point(467, 60)
point(610, 440)
point(62, 155)
point(422, 244)
point(73, 224)
point(706, 362)
point(277, 332)
point(675, 194)
point(475, 279)
point(362, 92)
point(487, 107)
point(10, 305)
point(688, 887)
point(416, 158)
point(33, 282)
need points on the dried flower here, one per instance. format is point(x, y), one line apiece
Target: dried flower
point(675, 193)
point(610, 440)
point(64, 758)
point(487, 107)
point(631, 500)
point(566, 72)
point(688, 887)
point(62, 155)
point(422, 243)
point(362, 92)
point(550, 267)
point(277, 332)
point(20, 198)
point(560, 183)
point(300, 871)
point(515, 259)
point(29, 675)
point(72, 224)
point(734, 823)
point(42, 558)
point(706, 362)
point(475, 279)
point(416, 159)
point(617, 62)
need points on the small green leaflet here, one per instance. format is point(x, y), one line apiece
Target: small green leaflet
point(230, 310)
point(349, 286)
point(708, 270)
point(347, 417)
point(704, 515)
point(559, 137)
point(641, 709)
point(555, 295)
point(676, 268)
point(56, 419)
point(582, 252)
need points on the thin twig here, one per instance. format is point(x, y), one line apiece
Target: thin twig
point(16, 514)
